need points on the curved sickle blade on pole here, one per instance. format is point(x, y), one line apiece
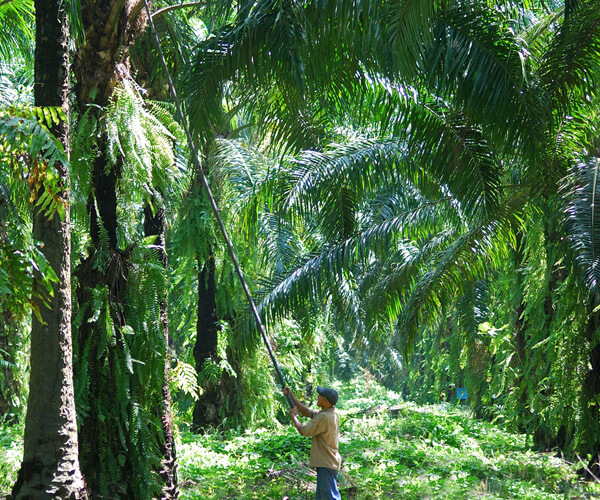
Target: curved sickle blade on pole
point(213, 205)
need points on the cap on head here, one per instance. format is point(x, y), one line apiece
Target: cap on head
point(330, 394)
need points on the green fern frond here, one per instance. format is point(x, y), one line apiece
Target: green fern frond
point(143, 135)
point(84, 152)
point(23, 134)
point(185, 378)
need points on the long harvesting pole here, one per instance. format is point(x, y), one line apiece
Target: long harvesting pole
point(214, 207)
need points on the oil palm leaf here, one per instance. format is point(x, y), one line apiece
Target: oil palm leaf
point(453, 261)
point(284, 57)
point(569, 67)
point(439, 142)
point(16, 36)
point(567, 72)
point(583, 223)
point(482, 64)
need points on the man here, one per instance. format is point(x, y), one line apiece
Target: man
point(324, 429)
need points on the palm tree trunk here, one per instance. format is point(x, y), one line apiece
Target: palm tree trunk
point(205, 348)
point(154, 224)
point(50, 466)
point(520, 325)
point(591, 402)
point(110, 460)
point(99, 429)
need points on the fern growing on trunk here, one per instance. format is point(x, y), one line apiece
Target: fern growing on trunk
point(121, 356)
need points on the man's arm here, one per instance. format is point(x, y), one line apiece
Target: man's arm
point(297, 424)
point(302, 408)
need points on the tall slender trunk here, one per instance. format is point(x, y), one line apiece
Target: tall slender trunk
point(95, 359)
point(50, 467)
point(205, 348)
point(590, 407)
point(520, 360)
point(154, 224)
point(118, 449)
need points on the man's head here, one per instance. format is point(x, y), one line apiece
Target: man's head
point(330, 395)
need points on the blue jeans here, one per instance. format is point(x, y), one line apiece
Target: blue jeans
point(327, 484)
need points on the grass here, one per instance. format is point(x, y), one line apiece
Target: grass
point(417, 453)
point(413, 452)
point(11, 453)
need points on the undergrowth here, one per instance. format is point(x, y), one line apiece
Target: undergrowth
point(391, 449)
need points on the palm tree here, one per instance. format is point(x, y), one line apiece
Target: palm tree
point(50, 465)
point(474, 104)
point(129, 164)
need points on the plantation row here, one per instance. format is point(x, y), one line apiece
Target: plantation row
point(408, 187)
point(436, 451)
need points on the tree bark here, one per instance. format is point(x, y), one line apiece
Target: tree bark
point(154, 224)
point(50, 466)
point(591, 401)
point(111, 28)
point(205, 348)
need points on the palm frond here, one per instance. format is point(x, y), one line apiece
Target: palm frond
point(76, 21)
point(315, 277)
point(405, 36)
point(253, 178)
point(583, 223)
point(481, 64)
point(276, 52)
point(472, 306)
point(457, 260)
point(282, 245)
point(16, 36)
point(360, 164)
point(445, 143)
point(476, 58)
point(569, 69)
point(435, 144)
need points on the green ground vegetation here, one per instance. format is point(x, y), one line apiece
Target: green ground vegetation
point(391, 449)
